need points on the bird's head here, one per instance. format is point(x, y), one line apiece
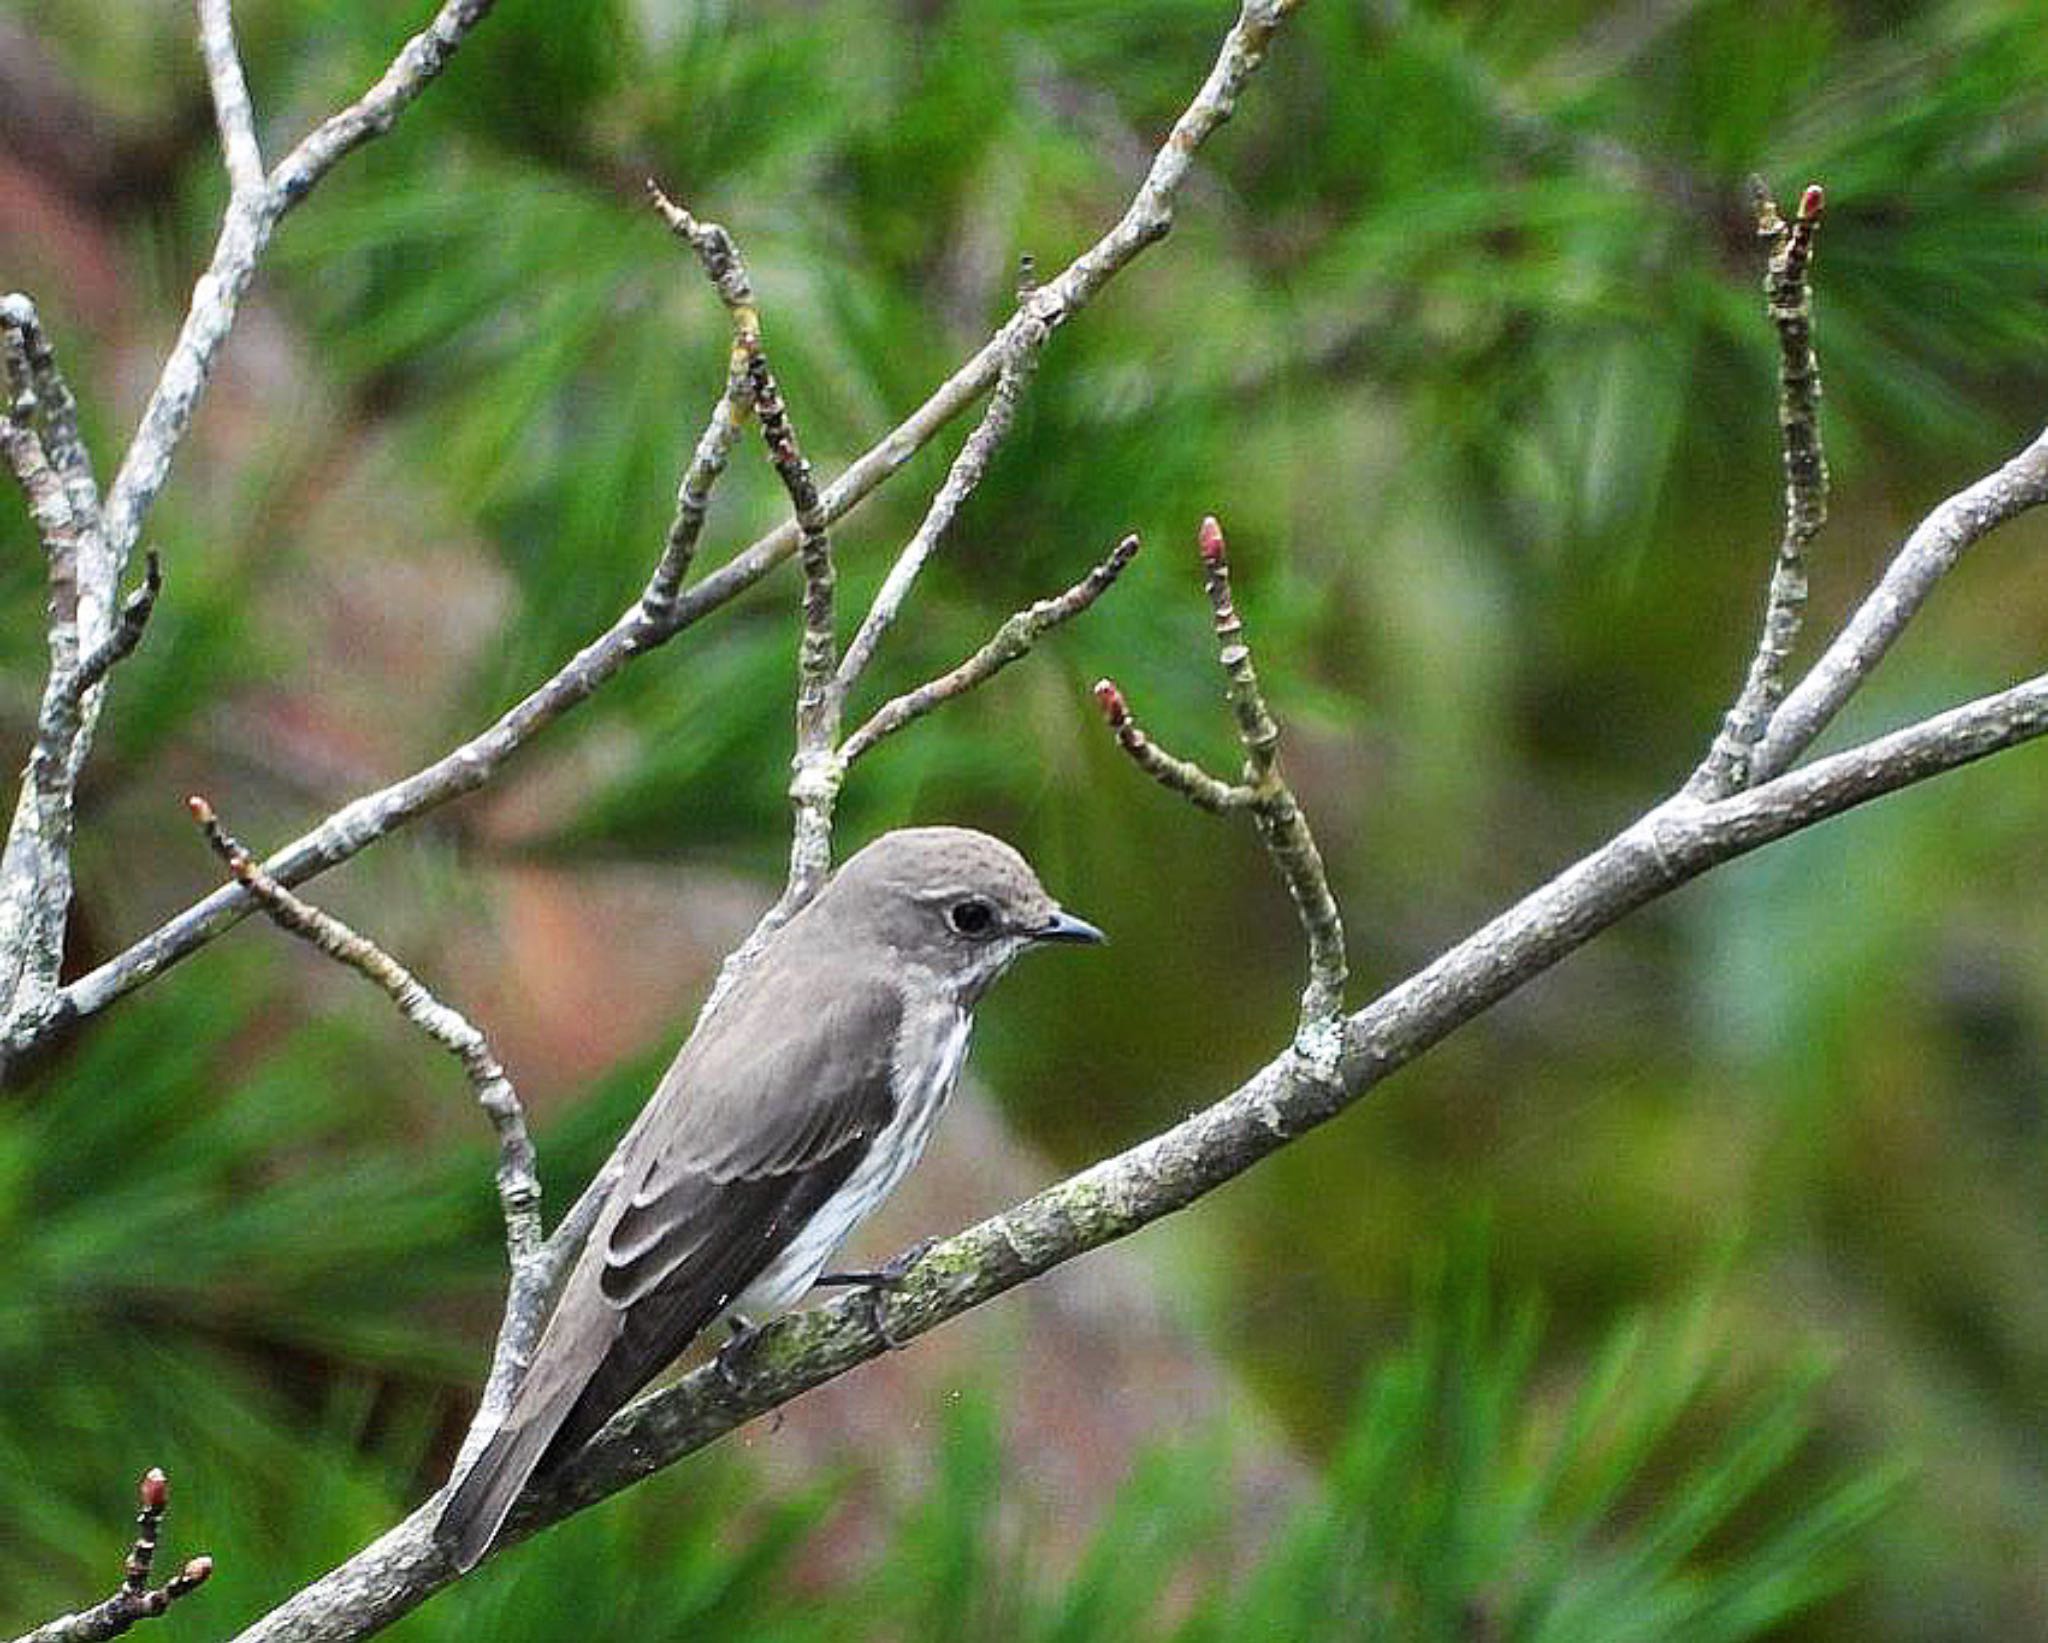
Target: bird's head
point(949, 900)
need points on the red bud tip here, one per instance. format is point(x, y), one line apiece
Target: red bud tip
point(197, 1570)
point(202, 812)
point(1812, 202)
point(1111, 701)
point(1210, 540)
point(155, 1489)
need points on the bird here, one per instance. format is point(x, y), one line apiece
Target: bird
point(797, 1105)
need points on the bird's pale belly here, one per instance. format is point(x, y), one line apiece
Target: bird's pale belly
point(889, 1158)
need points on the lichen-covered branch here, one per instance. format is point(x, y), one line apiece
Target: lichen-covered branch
point(134, 1599)
point(1788, 299)
point(89, 541)
point(35, 866)
point(1668, 847)
point(1009, 643)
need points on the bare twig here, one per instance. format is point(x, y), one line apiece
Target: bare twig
point(814, 786)
point(1019, 363)
point(1935, 545)
point(1283, 827)
point(728, 274)
point(1176, 775)
point(35, 866)
point(1009, 643)
point(135, 1599)
point(57, 724)
point(376, 815)
point(518, 1186)
point(231, 110)
point(245, 234)
point(55, 410)
point(1789, 301)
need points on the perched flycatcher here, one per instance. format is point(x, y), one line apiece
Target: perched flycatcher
point(791, 1113)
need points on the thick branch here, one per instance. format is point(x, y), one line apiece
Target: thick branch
point(1668, 847)
point(375, 815)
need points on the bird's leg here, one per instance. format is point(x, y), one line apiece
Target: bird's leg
point(878, 1281)
point(725, 1364)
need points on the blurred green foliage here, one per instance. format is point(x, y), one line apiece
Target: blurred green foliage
point(1459, 332)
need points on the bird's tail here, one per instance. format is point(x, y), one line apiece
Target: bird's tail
point(479, 1500)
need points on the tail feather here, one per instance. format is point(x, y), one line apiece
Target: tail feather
point(482, 1497)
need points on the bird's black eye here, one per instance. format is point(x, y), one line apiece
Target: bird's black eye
point(972, 917)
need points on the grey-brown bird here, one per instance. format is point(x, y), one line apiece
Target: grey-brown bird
point(795, 1108)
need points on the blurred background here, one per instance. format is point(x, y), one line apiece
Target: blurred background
point(1699, 1291)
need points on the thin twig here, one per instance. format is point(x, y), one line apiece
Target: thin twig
point(1788, 298)
point(1009, 643)
point(56, 411)
point(376, 815)
point(1019, 363)
point(135, 1599)
point(231, 110)
point(1932, 550)
point(1176, 775)
point(57, 725)
point(1277, 813)
point(518, 1186)
point(814, 786)
point(721, 259)
point(1283, 825)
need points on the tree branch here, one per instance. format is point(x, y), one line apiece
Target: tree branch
point(1019, 363)
point(89, 543)
point(1669, 846)
point(134, 1599)
point(376, 815)
point(1788, 300)
point(230, 91)
point(1282, 824)
point(1011, 642)
point(535, 1264)
point(1935, 545)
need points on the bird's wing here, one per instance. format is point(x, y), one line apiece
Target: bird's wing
point(767, 1114)
point(763, 1117)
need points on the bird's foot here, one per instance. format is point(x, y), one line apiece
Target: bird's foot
point(725, 1364)
point(876, 1283)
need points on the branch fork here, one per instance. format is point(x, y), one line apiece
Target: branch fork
point(134, 1599)
point(1263, 791)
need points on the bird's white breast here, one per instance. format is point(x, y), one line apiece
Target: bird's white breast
point(930, 1048)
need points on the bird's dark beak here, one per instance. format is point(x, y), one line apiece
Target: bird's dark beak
point(1063, 926)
